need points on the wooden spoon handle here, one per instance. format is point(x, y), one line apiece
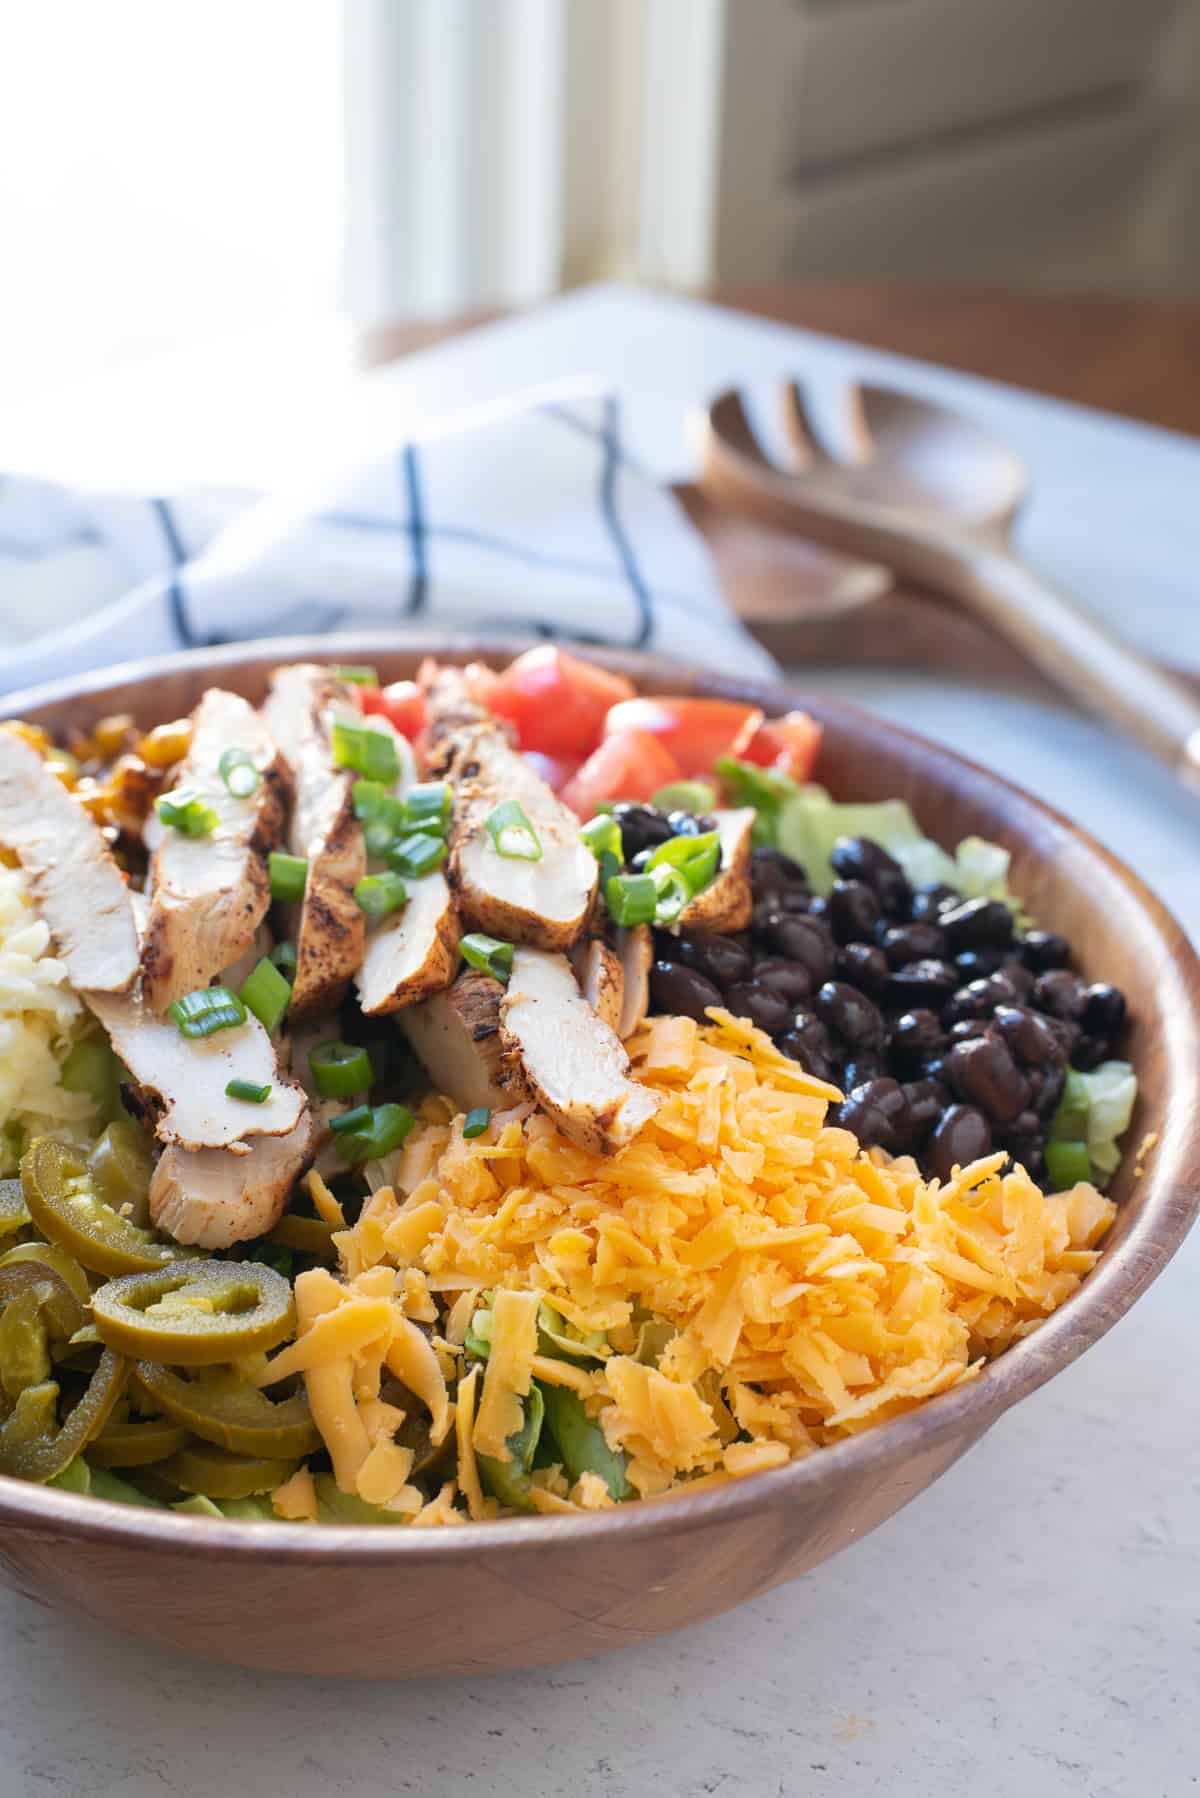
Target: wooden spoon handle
point(1107, 676)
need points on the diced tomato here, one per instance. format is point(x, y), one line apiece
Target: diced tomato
point(402, 704)
point(696, 731)
point(557, 702)
point(789, 745)
point(555, 770)
point(632, 765)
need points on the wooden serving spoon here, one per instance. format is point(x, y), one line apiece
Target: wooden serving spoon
point(932, 497)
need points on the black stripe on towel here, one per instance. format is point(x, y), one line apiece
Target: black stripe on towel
point(418, 591)
point(176, 601)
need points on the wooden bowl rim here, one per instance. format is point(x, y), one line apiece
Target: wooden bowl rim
point(1169, 1210)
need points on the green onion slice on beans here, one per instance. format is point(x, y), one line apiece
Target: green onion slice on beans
point(286, 958)
point(378, 895)
point(187, 811)
point(477, 1121)
point(339, 1070)
point(488, 954)
point(248, 1090)
point(631, 898)
point(418, 854)
point(369, 1132)
point(207, 1010)
point(513, 834)
point(238, 770)
point(357, 674)
point(672, 893)
point(427, 806)
point(267, 994)
point(369, 752)
point(602, 835)
point(289, 876)
point(1067, 1163)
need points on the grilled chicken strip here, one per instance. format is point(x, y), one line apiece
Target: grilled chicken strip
point(601, 978)
point(726, 903)
point(214, 1197)
point(79, 890)
point(185, 1078)
point(456, 1036)
point(209, 894)
point(414, 952)
point(635, 946)
point(574, 1063)
point(330, 932)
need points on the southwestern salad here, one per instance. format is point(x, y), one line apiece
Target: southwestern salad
point(497, 1093)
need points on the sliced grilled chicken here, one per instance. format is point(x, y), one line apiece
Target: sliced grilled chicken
point(601, 978)
point(573, 1061)
point(185, 1078)
point(451, 705)
point(329, 928)
point(726, 903)
point(209, 894)
point(414, 952)
point(635, 946)
point(214, 1197)
point(80, 892)
point(456, 1036)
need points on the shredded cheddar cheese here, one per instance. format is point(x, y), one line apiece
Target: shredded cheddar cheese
point(762, 1285)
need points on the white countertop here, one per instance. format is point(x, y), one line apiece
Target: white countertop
point(1029, 1626)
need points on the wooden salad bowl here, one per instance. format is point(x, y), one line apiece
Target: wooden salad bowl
point(498, 1596)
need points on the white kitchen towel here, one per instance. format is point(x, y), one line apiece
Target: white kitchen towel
point(529, 518)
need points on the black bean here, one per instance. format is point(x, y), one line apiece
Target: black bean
point(967, 1029)
point(690, 824)
point(819, 907)
point(797, 900)
point(720, 959)
point(641, 861)
point(853, 911)
point(860, 1068)
point(1047, 1083)
point(915, 1036)
point(977, 964)
point(1088, 1053)
point(1029, 1036)
point(851, 1014)
point(902, 943)
point(682, 990)
point(764, 915)
point(930, 900)
point(927, 1099)
point(769, 1010)
point(1061, 994)
point(877, 1111)
point(808, 1042)
point(1024, 1138)
point(864, 966)
point(925, 984)
point(962, 1136)
point(1018, 977)
point(1044, 949)
point(1005, 989)
point(806, 940)
point(1067, 1033)
point(641, 827)
point(791, 978)
point(977, 924)
point(1103, 1011)
point(975, 1000)
point(773, 872)
point(984, 1073)
point(858, 858)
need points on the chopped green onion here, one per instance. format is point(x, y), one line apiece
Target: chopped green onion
point(369, 752)
point(1070, 1121)
point(694, 796)
point(678, 851)
point(188, 812)
point(357, 674)
point(246, 1089)
point(380, 894)
point(1067, 1163)
point(289, 875)
point(631, 898)
point(338, 1071)
point(378, 838)
point(239, 771)
point(417, 854)
point(602, 835)
point(477, 1121)
point(609, 865)
point(91, 1067)
point(373, 804)
point(207, 1010)
point(748, 784)
point(267, 994)
point(488, 954)
point(358, 1118)
point(427, 806)
point(286, 958)
point(673, 893)
point(376, 1132)
point(513, 834)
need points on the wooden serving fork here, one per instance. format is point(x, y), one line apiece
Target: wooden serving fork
point(932, 496)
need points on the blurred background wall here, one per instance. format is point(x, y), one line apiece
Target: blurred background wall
point(171, 175)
